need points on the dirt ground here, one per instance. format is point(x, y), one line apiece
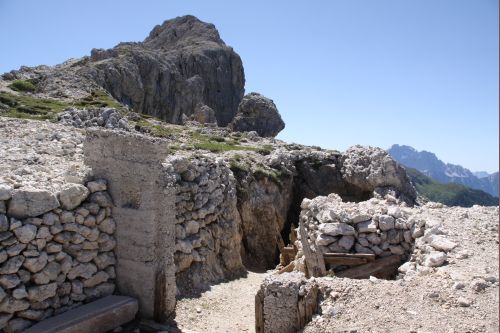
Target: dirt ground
point(226, 307)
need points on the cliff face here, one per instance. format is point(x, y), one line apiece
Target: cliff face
point(182, 63)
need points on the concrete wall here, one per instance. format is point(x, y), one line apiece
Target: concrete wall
point(145, 214)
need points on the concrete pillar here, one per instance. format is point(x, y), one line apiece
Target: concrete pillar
point(145, 215)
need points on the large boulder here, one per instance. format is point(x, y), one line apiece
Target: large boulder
point(257, 113)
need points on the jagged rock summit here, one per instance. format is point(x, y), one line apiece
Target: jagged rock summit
point(182, 65)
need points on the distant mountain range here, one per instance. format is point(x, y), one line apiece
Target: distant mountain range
point(429, 165)
point(450, 194)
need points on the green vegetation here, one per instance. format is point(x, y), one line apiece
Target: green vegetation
point(219, 147)
point(265, 149)
point(23, 85)
point(274, 175)
point(26, 106)
point(98, 98)
point(449, 194)
point(157, 130)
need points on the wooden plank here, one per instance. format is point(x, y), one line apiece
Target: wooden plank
point(310, 259)
point(345, 261)
point(367, 256)
point(381, 268)
point(259, 312)
point(320, 261)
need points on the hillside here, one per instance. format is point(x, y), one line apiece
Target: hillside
point(449, 194)
point(430, 165)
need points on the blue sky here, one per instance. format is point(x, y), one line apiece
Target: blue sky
point(422, 73)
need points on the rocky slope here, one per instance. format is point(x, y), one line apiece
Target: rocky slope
point(183, 64)
point(431, 166)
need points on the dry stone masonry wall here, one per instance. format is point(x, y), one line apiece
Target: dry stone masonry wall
point(371, 226)
point(56, 253)
point(207, 221)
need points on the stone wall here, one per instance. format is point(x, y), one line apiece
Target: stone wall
point(57, 251)
point(382, 227)
point(207, 228)
point(285, 303)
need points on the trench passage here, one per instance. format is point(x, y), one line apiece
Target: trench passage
point(226, 307)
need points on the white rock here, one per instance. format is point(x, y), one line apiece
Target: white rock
point(335, 229)
point(441, 243)
point(325, 240)
point(5, 192)
point(72, 195)
point(385, 222)
point(367, 226)
point(435, 259)
point(407, 266)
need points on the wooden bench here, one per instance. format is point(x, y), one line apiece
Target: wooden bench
point(99, 316)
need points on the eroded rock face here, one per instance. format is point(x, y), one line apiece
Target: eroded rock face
point(182, 63)
point(257, 113)
point(372, 169)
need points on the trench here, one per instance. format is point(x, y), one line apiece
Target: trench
point(312, 179)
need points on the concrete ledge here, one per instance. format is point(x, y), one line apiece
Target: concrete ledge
point(96, 317)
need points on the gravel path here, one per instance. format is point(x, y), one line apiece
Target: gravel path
point(227, 307)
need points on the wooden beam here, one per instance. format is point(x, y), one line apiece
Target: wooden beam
point(380, 268)
point(259, 312)
point(314, 260)
point(368, 257)
point(347, 261)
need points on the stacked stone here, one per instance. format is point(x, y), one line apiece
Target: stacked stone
point(56, 251)
point(100, 117)
point(380, 227)
point(206, 214)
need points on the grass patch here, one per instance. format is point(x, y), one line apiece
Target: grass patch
point(28, 107)
point(156, 130)
point(23, 85)
point(98, 98)
point(272, 174)
point(265, 150)
point(220, 147)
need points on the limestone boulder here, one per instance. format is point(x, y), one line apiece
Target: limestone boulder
point(31, 203)
point(257, 113)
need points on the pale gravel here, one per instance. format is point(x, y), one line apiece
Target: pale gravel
point(227, 307)
point(40, 154)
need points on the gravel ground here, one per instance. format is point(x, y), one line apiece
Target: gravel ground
point(40, 154)
point(461, 296)
point(226, 307)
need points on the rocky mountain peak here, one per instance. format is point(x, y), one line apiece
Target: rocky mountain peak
point(182, 31)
